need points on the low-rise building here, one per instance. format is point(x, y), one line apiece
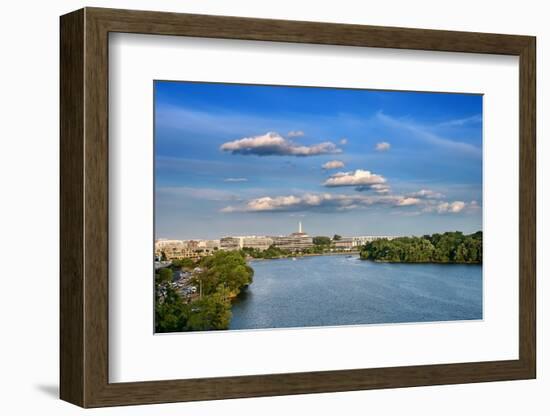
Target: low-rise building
point(345, 243)
point(362, 240)
point(297, 241)
point(174, 250)
point(256, 242)
point(251, 241)
point(207, 246)
point(230, 243)
point(294, 242)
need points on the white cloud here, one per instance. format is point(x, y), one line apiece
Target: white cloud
point(451, 207)
point(235, 180)
point(454, 207)
point(320, 201)
point(273, 144)
point(382, 147)
point(344, 202)
point(295, 133)
point(380, 188)
point(362, 179)
point(473, 205)
point(343, 141)
point(426, 194)
point(448, 207)
point(407, 201)
point(333, 164)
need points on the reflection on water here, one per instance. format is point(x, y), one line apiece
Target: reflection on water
point(343, 290)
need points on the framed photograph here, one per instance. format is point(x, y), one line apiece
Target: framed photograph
point(255, 207)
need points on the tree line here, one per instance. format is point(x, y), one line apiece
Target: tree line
point(272, 252)
point(219, 277)
point(449, 247)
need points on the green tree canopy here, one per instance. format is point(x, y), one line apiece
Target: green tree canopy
point(272, 252)
point(321, 241)
point(164, 275)
point(449, 247)
point(183, 263)
point(227, 268)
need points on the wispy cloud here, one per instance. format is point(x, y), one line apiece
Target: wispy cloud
point(382, 147)
point(333, 164)
point(235, 180)
point(475, 119)
point(343, 141)
point(295, 133)
point(217, 121)
point(427, 194)
point(273, 144)
point(424, 133)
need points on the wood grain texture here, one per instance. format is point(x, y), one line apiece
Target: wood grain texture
point(528, 207)
point(96, 208)
point(71, 100)
point(225, 27)
point(84, 207)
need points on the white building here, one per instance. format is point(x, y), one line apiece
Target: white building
point(295, 241)
point(162, 242)
point(174, 249)
point(250, 241)
point(208, 246)
point(362, 240)
point(257, 242)
point(345, 243)
point(230, 243)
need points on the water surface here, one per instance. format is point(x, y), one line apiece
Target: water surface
point(343, 290)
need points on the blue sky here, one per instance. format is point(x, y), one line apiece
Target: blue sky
point(242, 159)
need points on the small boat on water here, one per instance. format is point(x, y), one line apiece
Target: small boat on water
point(293, 258)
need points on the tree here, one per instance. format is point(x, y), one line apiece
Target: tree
point(321, 241)
point(164, 275)
point(223, 276)
point(228, 268)
point(450, 247)
point(272, 252)
point(170, 312)
point(183, 263)
point(210, 312)
point(337, 237)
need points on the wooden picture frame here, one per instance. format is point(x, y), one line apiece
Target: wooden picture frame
point(84, 207)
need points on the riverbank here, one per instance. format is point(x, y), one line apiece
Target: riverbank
point(463, 263)
point(357, 254)
point(298, 256)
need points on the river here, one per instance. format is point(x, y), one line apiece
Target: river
point(343, 290)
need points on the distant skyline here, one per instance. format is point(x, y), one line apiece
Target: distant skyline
point(254, 160)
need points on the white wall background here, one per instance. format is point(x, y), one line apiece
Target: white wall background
point(29, 159)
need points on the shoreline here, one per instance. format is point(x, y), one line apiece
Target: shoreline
point(299, 256)
point(357, 253)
